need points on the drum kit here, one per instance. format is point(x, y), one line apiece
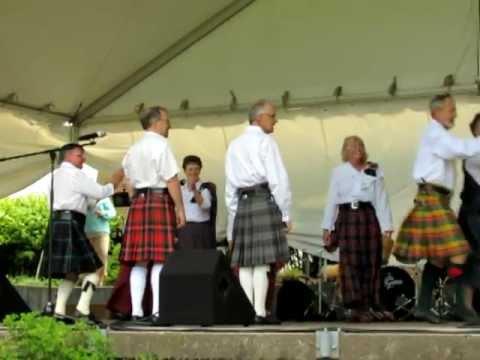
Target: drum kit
point(397, 291)
point(399, 286)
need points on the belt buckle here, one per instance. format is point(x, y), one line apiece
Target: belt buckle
point(354, 205)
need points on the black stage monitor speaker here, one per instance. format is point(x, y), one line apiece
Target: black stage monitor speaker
point(10, 301)
point(197, 287)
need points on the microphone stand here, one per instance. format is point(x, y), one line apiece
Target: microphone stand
point(49, 308)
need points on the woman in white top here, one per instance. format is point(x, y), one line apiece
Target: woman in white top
point(356, 216)
point(199, 202)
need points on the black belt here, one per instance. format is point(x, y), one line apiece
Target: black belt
point(434, 188)
point(146, 191)
point(260, 188)
point(68, 215)
point(355, 205)
point(199, 222)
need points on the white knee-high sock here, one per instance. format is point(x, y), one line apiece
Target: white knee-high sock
point(63, 293)
point(245, 275)
point(260, 289)
point(89, 284)
point(155, 282)
point(138, 280)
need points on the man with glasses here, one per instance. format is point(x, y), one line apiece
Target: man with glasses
point(258, 200)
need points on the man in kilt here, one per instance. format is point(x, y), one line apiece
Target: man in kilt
point(72, 253)
point(431, 231)
point(258, 200)
point(468, 216)
point(156, 210)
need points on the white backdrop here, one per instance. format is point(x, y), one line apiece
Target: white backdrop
point(310, 140)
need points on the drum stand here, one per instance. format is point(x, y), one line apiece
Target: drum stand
point(326, 301)
point(442, 305)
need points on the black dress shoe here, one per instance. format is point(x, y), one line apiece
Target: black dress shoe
point(121, 316)
point(140, 320)
point(156, 320)
point(266, 320)
point(466, 315)
point(64, 318)
point(90, 319)
point(426, 315)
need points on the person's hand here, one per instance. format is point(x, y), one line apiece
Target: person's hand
point(117, 178)
point(288, 227)
point(387, 235)
point(98, 213)
point(181, 220)
point(327, 238)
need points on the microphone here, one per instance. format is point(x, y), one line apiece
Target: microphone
point(96, 134)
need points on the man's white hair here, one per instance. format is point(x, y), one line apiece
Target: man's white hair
point(438, 101)
point(259, 108)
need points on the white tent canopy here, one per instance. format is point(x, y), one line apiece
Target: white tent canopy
point(94, 61)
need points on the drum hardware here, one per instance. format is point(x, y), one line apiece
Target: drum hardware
point(397, 291)
point(442, 307)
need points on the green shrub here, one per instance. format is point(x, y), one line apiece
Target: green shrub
point(25, 280)
point(23, 223)
point(113, 266)
point(31, 336)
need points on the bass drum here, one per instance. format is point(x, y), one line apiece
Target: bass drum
point(397, 291)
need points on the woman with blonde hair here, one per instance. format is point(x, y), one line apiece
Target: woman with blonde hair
point(356, 217)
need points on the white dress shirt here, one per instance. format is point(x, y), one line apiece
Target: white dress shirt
point(72, 188)
point(193, 211)
point(349, 185)
point(253, 159)
point(435, 162)
point(149, 163)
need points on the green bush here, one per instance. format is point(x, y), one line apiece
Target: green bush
point(31, 336)
point(113, 266)
point(23, 223)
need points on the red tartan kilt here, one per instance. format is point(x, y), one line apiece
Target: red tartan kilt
point(150, 229)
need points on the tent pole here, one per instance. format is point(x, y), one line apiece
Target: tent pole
point(162, 59)
point(478, 41)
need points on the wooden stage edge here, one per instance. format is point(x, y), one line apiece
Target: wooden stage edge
point(327, 340)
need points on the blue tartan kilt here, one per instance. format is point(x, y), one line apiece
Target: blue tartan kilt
point(71, 250)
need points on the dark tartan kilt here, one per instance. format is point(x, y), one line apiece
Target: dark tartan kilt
point(150, 229)
point(258, 232)
point(196, 235)
point(430, 230)
point(359, 239)
point(71, 250)
point(469, 221)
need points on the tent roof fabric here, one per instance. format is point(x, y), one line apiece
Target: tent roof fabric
point(72, 53)
point(110, 55)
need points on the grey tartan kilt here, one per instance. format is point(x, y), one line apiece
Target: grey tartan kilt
point(258, 232)
point(71, 250)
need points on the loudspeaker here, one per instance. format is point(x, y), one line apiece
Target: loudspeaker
point(10, 301)
point(197, 287)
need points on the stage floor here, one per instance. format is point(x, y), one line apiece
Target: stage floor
point(345, 341)
point(450, 327)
